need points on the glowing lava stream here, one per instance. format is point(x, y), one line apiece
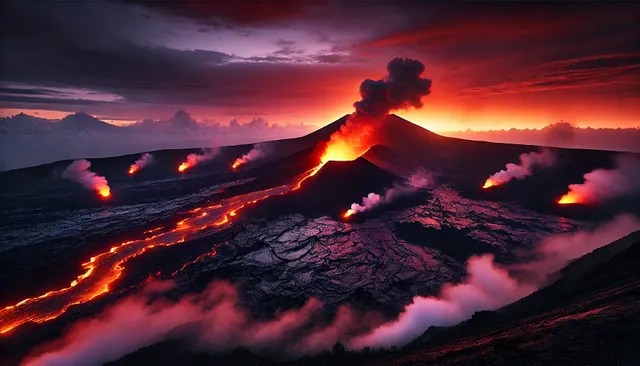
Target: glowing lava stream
point(102, 270)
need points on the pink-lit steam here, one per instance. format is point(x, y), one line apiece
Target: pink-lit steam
point(141, 163)
point(195, 159)
point(416, 181)
point(528, 161)
point(257, 152)
point(602, 185)
point(215, 320)
point(78, 171)
point(489, 286)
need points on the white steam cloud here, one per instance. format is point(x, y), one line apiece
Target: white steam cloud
point(195, 159)
point(78, 171)
point(601, 185)
point(488, 286)
point(141, 163)
point(416, 181)
point(216, 318)
point(258, 151)
point(528, 161)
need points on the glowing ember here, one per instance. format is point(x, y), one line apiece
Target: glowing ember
point(237, 163)
point(569, 199)
point(184, 166)
point(490, 183)
point(132, 169)
point(104, 191)
point(348, 213)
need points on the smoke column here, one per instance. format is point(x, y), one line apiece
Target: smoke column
point(144, 160)
point(195, 159)
point(402, 88)
point(79, 171)
point(604, 184)
point(489, 286)
point(257, 152)
point(528, 161)
point(415, 182)
point(213, 320)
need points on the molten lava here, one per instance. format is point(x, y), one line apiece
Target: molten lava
point(103, 269)
point(237, 163)
point(132, 169)
point(348, 213)
point(184, 166)
point(490, 183)
point(104, 191)
point(569, 199)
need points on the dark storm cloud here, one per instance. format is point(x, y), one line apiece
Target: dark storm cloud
point(238, 12)
point(40, 100)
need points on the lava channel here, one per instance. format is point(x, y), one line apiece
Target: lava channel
point(102, 270)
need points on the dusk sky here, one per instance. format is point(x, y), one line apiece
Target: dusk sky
point(493, 65)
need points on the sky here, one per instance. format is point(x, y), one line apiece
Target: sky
point(493, 65)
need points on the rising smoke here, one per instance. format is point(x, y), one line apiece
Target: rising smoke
point(402, 88)
point(489, 286)
point(78, 171)
point(528, 161)
point(141, 163)
point(215, 320)
point(416, 181)
point(195, 159)
point(601, 185)
point(258, 151)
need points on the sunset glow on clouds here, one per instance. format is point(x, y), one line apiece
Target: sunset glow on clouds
point(522, 66)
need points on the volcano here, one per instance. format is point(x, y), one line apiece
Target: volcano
point(274, 228)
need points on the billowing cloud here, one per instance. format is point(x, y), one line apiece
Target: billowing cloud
point(214, 319)
point(489, 286)
point(602, 185)
point(528, 162)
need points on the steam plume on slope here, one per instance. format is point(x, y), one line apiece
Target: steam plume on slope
point(213, 319)
point(603, 184)
point(79, 171)
point(415, 182)
point(489, 286)
point(257, 152)
point(141, 163)
point(528, 161)
point(554, 252)
point(402, 88)
point(195, 159)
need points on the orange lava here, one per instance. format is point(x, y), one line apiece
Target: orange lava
point(348, 213)
point(133, 169)
point(184, 166)
point(569, 199)
point(103, 269)
point(104, 191)
point(237, 163)
point(351, 141)
point(490, 183)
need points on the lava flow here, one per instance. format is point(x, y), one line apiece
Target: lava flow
point(569, 198)
point(102, 270)
point(237, 163)
point(490, 183)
